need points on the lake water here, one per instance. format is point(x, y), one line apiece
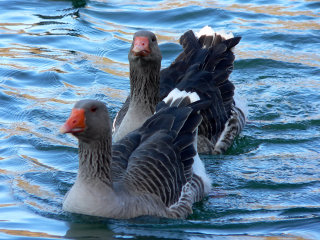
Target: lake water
point(53, 53)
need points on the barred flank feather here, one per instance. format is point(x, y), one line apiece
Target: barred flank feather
point(233, 127)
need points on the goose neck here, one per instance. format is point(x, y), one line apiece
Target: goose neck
point(95, 161)
point(144, 84)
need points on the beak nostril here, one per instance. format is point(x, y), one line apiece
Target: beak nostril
point(141, 46)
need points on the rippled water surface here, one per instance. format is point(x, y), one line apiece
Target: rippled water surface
point(53, 53)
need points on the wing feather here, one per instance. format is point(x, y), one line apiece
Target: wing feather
point(205, 63)
point(162, 163)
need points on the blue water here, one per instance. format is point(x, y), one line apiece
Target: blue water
point(53, 53)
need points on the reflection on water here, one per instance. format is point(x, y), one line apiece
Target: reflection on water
point(279, 54)
point(54, 53)
point(273, 10)
point(25, 233)
point(286, 9)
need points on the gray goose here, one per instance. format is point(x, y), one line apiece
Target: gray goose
point(145, 63)
point(154, 170)
point(221, 123)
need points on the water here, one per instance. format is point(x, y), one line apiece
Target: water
point(54, 53)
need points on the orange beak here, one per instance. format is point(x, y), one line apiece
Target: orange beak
point(75, 123)
point(141, 46)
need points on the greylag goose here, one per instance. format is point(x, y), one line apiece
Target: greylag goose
point(154, 170)
point(148, 85)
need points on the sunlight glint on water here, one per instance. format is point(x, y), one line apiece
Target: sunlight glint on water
point(54, 53)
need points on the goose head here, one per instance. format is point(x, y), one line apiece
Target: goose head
point(89, 121)
point(144, 49)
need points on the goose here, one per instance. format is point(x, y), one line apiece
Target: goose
point(148, 85)
point(154, 170)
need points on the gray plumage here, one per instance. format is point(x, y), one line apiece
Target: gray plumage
point(148, 172)
point(144, 88)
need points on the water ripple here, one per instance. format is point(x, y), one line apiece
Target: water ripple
point(54, 53)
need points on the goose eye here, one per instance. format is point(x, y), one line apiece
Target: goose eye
point(93, 109)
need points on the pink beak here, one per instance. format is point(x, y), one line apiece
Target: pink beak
point(141, 46)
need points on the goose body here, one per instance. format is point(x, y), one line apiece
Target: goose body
point(222, 121)
point(145, 63)
point(154, 170)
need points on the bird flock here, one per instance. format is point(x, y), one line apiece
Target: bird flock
point(147, 162)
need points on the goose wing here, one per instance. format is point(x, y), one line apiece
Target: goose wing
point(209, 50)
point(120, 115)
point(212, 55)
point(161, 161)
